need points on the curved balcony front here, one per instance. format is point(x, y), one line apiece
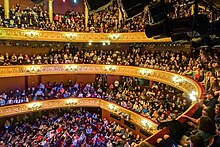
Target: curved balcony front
point(56, 36)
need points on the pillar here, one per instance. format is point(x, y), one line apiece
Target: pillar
point(151, 83)
point(6, 9)
point(120, 15)
point(50, 9)
point(86, 14)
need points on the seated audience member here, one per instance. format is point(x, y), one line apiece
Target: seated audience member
point(73, 128)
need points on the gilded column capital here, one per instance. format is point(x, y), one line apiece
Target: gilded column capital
point(50, 8)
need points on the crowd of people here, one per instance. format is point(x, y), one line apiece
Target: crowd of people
point(70, 128)
point(106, 20)
point(202, 66)
point(159, 103)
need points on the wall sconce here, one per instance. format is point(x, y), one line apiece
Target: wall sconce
point(71, 102)
point(34, 106)
point(114, 37)
point(125, 116)
point(177, 80)
point(70, 36)
point(112, 108)
point(145, 123)
point(110, 68)
point(145, 72)
point(106, 42)
point(193, 95)
point(31, 34)
point(71, 68)
point(33, 69)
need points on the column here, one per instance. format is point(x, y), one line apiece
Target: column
point(86, 14)
point(6, 8)
point(192, 9)
point(120, 14)
point(50, 9)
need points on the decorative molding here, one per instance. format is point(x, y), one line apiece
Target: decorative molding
point(135, 118)
point(151, 128)
point(58, 36)
point(187, 85)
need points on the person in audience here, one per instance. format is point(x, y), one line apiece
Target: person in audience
point(61, 127)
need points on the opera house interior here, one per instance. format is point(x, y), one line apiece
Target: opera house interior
point(109, 73)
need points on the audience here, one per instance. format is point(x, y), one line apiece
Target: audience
point(106, 20)
point(163, 104)
point(73, 128)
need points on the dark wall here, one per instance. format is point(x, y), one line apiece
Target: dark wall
point(64, 78)
point(13, 83)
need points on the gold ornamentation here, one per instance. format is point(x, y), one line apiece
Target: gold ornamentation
point(71, 36)
point(58, 36)
point(149, 74)
point(31, 34)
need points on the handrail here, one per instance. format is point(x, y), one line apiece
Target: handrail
point(183, 83)
point(10, 110)
point(59, 36)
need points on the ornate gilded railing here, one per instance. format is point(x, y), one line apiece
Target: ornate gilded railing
point(145, 123)
point(56, 36)
point(191, 88)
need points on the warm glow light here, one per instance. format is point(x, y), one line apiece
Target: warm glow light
point(145, 72)
point(112, 107)
point(114, 36)
point(193, 95)
point(70, 101)
point(71, 36)
point(33, 69)
point(31, 34)
point(71, 67)
point(34, 105)
point(145, 123)
point(177, 79)
point(110, 68)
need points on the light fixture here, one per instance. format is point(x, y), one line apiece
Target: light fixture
point(177, 79)
point(145, 123)
point(34, 106)
point(31, 34)
point(33, 69)
point(112, 107)
point(145, 72)
point(193, 95)
point(71, 102)
point(71, 36)
point(90, 43)
point(71, 67)
point(114, 37)
point(110, 68)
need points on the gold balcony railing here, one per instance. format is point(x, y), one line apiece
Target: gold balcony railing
point(56, 36)
point(190, 87)
point(135, 118)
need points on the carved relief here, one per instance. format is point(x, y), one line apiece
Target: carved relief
point(19, 34)
point(187, 85)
